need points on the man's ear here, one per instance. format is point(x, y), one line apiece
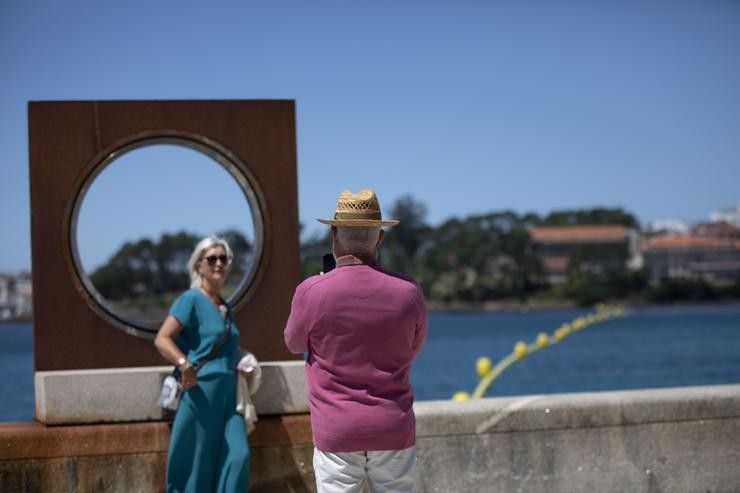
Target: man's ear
point(380, 239)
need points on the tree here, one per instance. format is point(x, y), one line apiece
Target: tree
point(148, 268)
point(313, 250)
point(403, 241)
point(481, 258)
point(490, 256)
point(598, 215)
point(243, 252)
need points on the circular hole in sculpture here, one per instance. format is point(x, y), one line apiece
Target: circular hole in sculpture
point(139, 216)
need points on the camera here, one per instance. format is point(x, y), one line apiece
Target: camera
point(328, 263)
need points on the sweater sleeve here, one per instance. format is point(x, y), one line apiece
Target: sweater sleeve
point(421, 324)
point(296, 329)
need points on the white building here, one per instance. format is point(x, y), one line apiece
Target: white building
point(23, 295)
point(729, 216)
point(670, 226)
point(715, 260)
point(16, 296)
point(6, 310)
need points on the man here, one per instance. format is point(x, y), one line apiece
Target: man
point(361, 326)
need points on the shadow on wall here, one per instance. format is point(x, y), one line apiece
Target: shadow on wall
point(284, 462)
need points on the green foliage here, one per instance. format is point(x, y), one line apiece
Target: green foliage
point(400, 247)
point(312, 253)
point(670, 290)
point(480, 258)
point(243, 253)
point(597, 273)
point(597, 215)
point(731, 292)
point(476, 259)
point(146, 269)
point(490, 257)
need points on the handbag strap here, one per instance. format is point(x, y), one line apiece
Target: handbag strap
point(221, 341)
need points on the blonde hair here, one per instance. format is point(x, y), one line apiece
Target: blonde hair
point(196, 279)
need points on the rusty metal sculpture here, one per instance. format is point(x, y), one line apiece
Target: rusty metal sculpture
point(69, 143)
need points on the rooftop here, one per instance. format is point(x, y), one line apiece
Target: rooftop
point(609, 233)
point(683, 242)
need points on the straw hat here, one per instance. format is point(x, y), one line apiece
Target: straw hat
point(358, 209)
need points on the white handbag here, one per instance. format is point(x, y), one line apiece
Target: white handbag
point(169, 398)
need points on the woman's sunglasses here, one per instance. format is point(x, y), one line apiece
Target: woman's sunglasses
point(211, 259)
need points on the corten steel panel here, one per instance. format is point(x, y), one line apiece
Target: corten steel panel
point(67, 140)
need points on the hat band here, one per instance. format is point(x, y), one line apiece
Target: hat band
point(375, 216)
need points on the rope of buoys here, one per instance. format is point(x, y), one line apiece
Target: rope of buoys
point(488, 373)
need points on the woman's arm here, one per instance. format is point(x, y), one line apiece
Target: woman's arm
point(165, 344)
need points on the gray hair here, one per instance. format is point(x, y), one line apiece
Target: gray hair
point(358, 240)
point(196, 279)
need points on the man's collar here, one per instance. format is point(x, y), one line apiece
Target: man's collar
point(346, 260)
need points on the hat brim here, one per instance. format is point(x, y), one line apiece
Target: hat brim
point(358, 223)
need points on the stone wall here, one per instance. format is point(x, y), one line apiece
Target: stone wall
point(658, 440)
point(130, 457)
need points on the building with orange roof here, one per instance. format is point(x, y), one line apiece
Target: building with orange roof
point(717, 230)
point(556, 245)
point(713, 259)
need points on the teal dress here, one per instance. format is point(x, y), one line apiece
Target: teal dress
point(208, 448)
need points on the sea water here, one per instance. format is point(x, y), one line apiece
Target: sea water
point(649, 347)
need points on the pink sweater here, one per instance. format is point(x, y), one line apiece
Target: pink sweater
point(361, 326)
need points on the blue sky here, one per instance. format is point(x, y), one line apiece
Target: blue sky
point(469, 106)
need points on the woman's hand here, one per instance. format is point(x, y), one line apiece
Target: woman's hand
point(247, 374)
point(246, 364)
point(165, 343)
point(189, 378)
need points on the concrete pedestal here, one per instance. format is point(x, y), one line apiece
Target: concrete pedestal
point(111, 395)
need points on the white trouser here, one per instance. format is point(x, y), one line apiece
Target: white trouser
point(346, 472)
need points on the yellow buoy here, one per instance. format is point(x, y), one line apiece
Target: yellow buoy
point(483, 366)
point(488, 373)
point(520, 349)
point(542, 339)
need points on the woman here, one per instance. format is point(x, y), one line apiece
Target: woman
point(208, 448)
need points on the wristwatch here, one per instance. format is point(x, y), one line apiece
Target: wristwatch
point(183, 363)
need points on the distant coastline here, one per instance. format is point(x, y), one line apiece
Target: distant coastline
point(523, 307)
point(23, 320)
point(434, 306)
point(496, 306)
